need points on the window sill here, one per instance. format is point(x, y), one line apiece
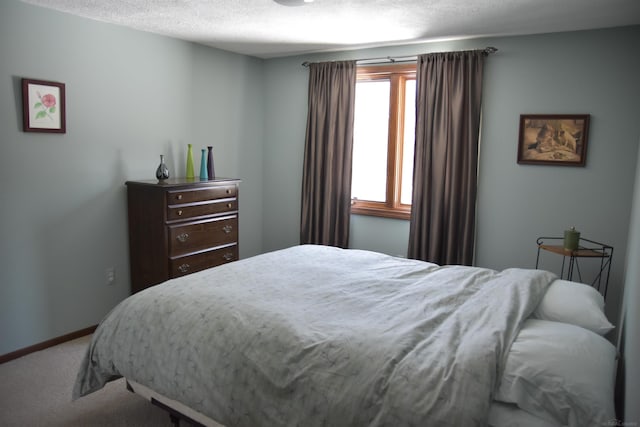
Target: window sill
point(384, 212)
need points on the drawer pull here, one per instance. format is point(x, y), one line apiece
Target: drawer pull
point(183, 237)
point(229, 205)
point(180, 212)
point(184, 268)
point(179, 197)
point(228, 191)
point(228, 256)
point(227, 229)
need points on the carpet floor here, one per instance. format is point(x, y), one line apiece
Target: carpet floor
point(35, 390)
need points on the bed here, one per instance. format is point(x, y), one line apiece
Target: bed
point(320, 336)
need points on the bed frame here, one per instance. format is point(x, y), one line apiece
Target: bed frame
point(177, 411)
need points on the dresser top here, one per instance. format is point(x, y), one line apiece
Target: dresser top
point(180, 182)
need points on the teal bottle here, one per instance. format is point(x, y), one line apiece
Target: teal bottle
point(203, 166)
point(190, 171)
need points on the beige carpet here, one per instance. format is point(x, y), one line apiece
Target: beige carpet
point(35, 390)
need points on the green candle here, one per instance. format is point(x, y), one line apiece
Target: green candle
point(571, 239)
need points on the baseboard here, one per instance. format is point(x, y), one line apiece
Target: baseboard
point(46, 344)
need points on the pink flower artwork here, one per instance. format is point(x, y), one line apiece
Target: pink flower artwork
point(48, 100)
point(43, 105)
point(46, 104)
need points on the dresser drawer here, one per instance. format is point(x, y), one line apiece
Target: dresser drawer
point(201, 209)
point(175, 197)
point(190, 264)
point(196, 236)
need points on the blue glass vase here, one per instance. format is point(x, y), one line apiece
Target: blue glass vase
point(162, 172)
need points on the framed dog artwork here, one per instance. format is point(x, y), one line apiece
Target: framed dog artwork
point(553, 139)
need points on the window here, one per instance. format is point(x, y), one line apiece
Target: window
point(383, 141)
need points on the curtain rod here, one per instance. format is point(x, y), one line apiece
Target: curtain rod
point(487, 50)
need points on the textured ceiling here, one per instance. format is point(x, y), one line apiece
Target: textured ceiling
point(266, 29)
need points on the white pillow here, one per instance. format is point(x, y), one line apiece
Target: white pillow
point(560, 372)
point(575, 303)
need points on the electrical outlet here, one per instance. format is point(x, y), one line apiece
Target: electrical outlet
point(110, 276)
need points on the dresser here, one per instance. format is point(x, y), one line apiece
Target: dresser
point(180, 226)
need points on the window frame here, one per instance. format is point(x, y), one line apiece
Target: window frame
point(397, 75)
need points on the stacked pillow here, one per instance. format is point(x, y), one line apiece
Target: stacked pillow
point(560, 368)
point(574, 303)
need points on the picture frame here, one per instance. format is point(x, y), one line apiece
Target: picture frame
point(553, 139)
point(43, 104)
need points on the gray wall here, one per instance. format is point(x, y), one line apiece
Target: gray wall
point(582, 72)
point(632, 314)
point(130, 97)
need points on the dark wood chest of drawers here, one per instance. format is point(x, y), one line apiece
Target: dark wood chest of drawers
point(180, 226)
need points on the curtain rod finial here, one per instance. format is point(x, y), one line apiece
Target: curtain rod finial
point(490, 49)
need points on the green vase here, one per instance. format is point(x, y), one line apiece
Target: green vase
point(190, 171)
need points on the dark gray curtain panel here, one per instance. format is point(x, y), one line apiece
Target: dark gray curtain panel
point(326, 175)
point(448, 108)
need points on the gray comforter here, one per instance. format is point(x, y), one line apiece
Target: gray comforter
point(320, 336)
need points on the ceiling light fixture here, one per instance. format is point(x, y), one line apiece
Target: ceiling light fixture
point(293, 2)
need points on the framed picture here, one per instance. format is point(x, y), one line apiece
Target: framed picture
point(43, 105)
point(553, 139)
